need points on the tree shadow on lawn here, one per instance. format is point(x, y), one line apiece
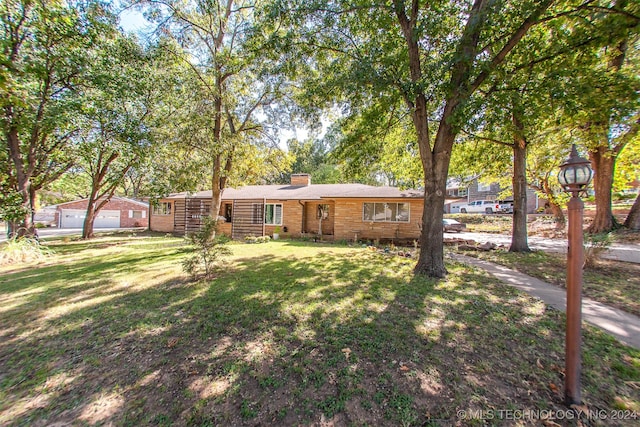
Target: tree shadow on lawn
point(348, 339)
point(28, 293)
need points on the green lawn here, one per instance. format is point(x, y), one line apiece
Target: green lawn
point(111, 332)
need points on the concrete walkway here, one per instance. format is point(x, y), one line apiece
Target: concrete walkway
point(622, 325)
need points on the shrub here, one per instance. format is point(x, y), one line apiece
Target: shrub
point(594, 246)
point(23, 249)
point(469, 218)
point(254, 239)
point(208, 250)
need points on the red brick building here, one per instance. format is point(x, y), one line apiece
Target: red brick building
point(119, 212)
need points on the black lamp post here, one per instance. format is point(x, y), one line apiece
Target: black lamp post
point(575, 174)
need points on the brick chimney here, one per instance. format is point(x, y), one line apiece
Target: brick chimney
point(300, 179)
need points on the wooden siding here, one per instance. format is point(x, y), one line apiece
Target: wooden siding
point(189, 214)
point(179, 218)
point(248, 218)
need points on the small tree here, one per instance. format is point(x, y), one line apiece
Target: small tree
point(208, 249)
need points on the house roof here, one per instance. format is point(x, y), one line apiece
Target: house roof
point(124, 199)
point(307, 192)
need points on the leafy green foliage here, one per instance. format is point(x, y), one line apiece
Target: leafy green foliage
point(627, 171)
point(226, 85)
point(45, 49)
point(314, 156)
point(208, 250)
point(121, 110)
point(12, 208)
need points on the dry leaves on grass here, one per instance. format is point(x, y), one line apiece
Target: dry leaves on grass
point(347, 352)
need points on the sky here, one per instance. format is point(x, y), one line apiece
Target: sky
point(132, 21)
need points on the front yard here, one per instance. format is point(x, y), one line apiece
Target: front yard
point(112, 332)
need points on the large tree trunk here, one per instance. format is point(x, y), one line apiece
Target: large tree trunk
point(633, 219)
point(603, 163)
point(89, 219)
point(100, 196)
point(519, 242)
point(463, 82)
point(217, 180)
point(431, 258)
point(558, 215)
point(216, 191)
point(23, 226)
point(603, 157)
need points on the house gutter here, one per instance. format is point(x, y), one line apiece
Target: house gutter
point(302, 225)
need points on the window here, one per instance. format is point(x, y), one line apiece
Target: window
point(484, 187)
point(322, 212)
point(385, 212)
point(228, 210)
point(162, 208)
point(137, 214)
point(273, 214)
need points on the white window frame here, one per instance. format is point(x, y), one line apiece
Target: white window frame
point(482, 187)
point(275, 213)
point(132, 213)
point(162, 209)
point(387, 209)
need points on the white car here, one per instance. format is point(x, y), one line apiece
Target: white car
point(481, 206)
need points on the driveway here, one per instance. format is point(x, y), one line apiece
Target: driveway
point(44, 233)
point(617, 251)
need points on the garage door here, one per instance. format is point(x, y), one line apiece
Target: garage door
point(74, 218)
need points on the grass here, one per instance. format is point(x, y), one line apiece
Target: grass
point(112, 332)
point(610, 282)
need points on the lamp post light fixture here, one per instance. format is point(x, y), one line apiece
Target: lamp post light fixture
point(575, 175)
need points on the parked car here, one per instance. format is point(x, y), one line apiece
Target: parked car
point(506, 206)
point(449, 225)
point(481, 206)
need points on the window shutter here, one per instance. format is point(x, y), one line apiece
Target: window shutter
point(144, 214)
point(130, 214)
